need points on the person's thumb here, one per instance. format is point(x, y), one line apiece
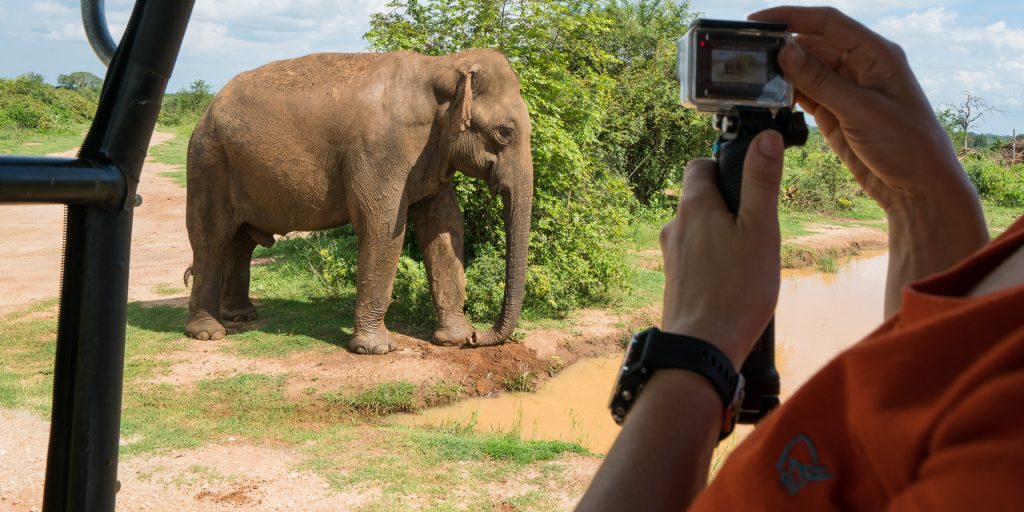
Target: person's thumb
point(817, 81)
point(762, 175)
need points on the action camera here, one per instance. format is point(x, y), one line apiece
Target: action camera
point(724, 64)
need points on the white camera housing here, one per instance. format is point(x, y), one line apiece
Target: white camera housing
point(722, 64)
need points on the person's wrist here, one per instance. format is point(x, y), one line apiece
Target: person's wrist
point(720, 335)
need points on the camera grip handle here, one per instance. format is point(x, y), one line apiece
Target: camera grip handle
point(762, 378)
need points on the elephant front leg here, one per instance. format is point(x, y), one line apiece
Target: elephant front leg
point(379, 249)
point(439, 231)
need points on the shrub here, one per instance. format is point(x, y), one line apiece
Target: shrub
point(186, 106)
point(28, 103)
point(1002, 185)
point(411, 292)
point(816, 180)
point(332, 257)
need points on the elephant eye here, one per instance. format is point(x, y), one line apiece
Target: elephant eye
point(505, 133)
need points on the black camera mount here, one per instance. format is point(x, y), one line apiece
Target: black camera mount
point(737, 130)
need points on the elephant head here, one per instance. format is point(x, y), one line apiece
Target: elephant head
point(488, 137)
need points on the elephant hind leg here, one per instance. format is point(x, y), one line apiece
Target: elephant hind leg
point(235, 305)
point(204, 304)
point(210, 236)
point(439, 231)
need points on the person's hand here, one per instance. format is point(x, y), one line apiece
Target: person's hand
point(861, 91)
point(870, 108)
point(722, 270)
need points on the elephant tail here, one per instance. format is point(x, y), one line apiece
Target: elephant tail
point(188, 273)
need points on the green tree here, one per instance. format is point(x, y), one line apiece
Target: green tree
point(579, 207)
point(187, 105)
point(33, 78)
point(648, 136)
point(79, 81)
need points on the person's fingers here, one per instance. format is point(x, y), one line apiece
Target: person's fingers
point(699, 181)
point(838, 29)
point(819, 82)
point(817, 46)
point(762, 174)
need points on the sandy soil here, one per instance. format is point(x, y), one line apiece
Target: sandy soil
point(160, 253)
point(34, 236)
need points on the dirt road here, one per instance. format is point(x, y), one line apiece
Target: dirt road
point(33, 236)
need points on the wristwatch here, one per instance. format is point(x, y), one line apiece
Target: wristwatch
point(652, 349)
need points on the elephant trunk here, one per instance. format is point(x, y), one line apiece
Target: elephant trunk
point(518, 205)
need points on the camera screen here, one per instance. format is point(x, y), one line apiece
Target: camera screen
point(739, 66)
point(733, 66)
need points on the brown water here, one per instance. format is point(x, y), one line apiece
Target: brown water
point(819, 316)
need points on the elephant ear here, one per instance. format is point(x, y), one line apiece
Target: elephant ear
point(462, 114)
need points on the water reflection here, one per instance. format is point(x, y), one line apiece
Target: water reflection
point(819, 315)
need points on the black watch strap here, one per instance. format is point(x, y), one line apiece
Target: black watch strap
point(653, 349)
point(668, 350)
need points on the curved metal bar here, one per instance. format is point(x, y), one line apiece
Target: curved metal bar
point(94, 19)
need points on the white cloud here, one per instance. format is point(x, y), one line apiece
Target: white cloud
point(52, 9)
point(3, 13)
point(950, 55)
point(69, 32)
point(855, 8)
point(933, 22)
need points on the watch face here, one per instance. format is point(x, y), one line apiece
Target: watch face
point(622, 369)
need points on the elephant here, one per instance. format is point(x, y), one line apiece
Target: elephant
point(374, 140)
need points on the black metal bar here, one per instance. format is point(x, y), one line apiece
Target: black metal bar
point(81, 470)
point(26, 179)
point(94, 19)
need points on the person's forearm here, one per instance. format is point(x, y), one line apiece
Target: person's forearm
point(929, 235)
point(660, 459)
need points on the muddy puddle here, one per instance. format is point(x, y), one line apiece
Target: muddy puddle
point(819, 315)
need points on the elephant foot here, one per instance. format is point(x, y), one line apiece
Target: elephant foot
point(378, 343)
point(455, 336)
point(202, 326)
point(241, 313)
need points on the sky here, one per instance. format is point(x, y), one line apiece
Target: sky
point(953, 45)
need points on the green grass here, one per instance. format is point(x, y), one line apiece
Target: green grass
point(31, 143)
point(440, 392)
point(380, 400)
point(459, 442)
point(1000, 217)
point(173, 152)
point(166, 289)
point(428, 463)
point(827, 264)
point(524, 382)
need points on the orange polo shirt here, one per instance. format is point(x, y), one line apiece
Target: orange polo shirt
point(926, 413)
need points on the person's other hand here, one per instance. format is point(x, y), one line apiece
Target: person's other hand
point(861, 91)
point(722, 270)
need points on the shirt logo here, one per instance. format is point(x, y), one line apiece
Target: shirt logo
point(799, 465)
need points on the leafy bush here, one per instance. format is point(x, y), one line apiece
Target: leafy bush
point(411, 292)
point(186, 106)
point(816, 180)
point(332, 257)
point(29, 103)
point(1002, 185)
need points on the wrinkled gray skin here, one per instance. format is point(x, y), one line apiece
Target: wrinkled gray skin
point(369, 139)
